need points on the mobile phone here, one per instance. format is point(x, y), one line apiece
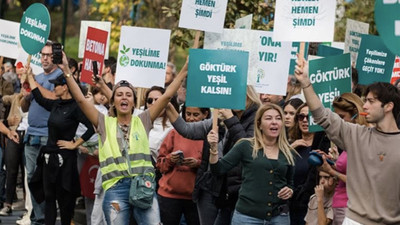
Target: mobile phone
point(57, 53)
point(181, 156)
point(95, 70)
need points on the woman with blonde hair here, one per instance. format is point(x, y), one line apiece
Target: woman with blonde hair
point(267, 169)
point(216, 197)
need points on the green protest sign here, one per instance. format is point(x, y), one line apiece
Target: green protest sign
point(387, 19)
point(325, 50)
point(330, 77)
point(217, 78)
point(375, 61)
point(293, 58)
point(34, 28)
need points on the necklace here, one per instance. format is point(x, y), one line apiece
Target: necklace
point(125, 130)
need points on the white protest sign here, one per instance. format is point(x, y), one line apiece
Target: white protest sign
point(354, 29)
point(304, 21)
point(106, 26)
point(244, 22)
point(232, 39)
point(143, 56)
point(9, 39)
point(35, 63)
point(271, 73)
point(205, 15)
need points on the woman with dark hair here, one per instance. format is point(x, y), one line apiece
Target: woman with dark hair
point(161, 125)
point(304, 141)
point(289, 109)
point(178, 161)
point(56, 177)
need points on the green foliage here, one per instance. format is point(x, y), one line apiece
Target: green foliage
point(360, 10)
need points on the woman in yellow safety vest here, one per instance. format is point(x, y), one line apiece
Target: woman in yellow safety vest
point(123, 139)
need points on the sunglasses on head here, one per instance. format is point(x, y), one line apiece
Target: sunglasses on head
point(301, 116)
point(151, 100)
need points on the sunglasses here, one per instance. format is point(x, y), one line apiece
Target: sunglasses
point(151, 100)
point(300, 117)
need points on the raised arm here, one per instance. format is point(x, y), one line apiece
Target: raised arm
point(301, 74)
point(88, 109)
point(162, 102)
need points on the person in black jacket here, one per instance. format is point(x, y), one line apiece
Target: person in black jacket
point(304, 174)
point(216, 196)
point(56, 177)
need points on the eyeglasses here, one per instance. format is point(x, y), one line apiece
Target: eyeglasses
point(50, 55)
point(300, 117)
point(151, 100)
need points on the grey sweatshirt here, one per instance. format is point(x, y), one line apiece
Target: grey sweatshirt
point(373, 168)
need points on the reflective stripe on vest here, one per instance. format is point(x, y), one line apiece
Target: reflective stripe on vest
point(113, 164)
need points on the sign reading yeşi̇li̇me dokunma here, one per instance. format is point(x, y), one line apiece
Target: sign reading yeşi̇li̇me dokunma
point(205, 15)
point(34, 28)
point(217, 78)
point(330, 77)
point(142, 56)
point(375, 61)
point(304, 20)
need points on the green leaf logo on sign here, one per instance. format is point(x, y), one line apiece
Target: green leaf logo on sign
point(124, 60)
point(35, 28)
point(387, 19)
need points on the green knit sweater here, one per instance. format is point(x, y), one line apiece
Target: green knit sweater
point(262, 180)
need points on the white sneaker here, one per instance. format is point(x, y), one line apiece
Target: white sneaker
point(26, 220)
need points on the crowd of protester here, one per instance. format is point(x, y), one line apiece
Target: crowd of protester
point(255, 167)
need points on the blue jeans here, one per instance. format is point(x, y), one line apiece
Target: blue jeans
point(32, 148)
point(241, 219)
point(117, 208)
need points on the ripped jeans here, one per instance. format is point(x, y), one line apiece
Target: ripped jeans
point(117, 209)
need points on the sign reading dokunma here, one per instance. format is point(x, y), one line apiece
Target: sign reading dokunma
point(34, 28)
point(142, 56)
point(217, 79)
point(9, 39)
point(330, 77)
point(375, 61)
point(205, 15)
point(304, 21)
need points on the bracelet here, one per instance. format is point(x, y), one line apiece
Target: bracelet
point(68, 75)
point(307, 86)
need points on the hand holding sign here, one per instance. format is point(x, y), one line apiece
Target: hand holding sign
point(301, 72)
